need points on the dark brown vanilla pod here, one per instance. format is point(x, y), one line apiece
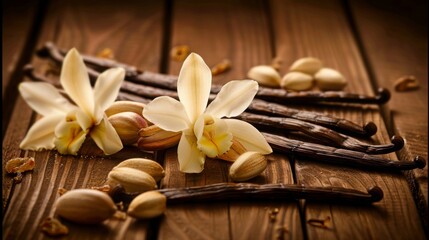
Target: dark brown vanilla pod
point(254, 192)
point(338, 124)
point(170, 82)
point(320, 133)
point(339, 156)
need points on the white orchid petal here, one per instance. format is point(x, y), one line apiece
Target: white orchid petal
point(44, 98)
point(167, 113)
point(85, 121)
point(193, 85)
point(75, 81)
point(249, 136)
point(106, 90)
point(233, 98)
point(42, 134)
point(69, 137)
point(106, 137)
point(191, 159)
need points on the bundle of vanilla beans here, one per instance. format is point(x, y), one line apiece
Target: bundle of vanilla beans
point(269, 113)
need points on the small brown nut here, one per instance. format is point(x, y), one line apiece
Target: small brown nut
point(133, 180)
point(86, 206)
point(406, 83)
point(297, 81)
point(221, 67)
point(128, 125)
point(19, 165)
point(330, 79)
point(148, 205)
point(125, 106)
point(179, 53)
point(146, 165)
point(53, 227)
point(309, 65)
point(247, 166)
point(265, 75)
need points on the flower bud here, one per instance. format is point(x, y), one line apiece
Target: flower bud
point(128, 125)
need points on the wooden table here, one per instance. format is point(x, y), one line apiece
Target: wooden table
point(372, 44)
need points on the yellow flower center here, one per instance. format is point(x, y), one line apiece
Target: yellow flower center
point(215, 139)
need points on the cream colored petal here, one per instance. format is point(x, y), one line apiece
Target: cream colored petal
point(248, 136)
point(233, 98)
point(106, 90)
point(44, 98)
point(69, 137)
point(83, 119)
point(167, 113)
point(75, 81)
point(193, 85)
point(191, 159)
point(213, 137)
point(106, 138)
point(42, 134)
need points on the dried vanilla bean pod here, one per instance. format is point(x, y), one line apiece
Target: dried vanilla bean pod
point(339, 156)
point(342, 125)
point(277, 95)
point(320, 133)
point(249, 191)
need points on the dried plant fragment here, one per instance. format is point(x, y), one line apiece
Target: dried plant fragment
point(105, 188)
point(280, 231)
point(179, 53)
point(53, 227)
point(406, 83)
point(221, 67)
point(19, 165)
point(106, 53)
point(61, 191)
point(120, 215)
point(322, 223)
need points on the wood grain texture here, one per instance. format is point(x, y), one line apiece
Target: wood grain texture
point(239, 31)
point(383, 29)
point(321, 30)
point(72, 24)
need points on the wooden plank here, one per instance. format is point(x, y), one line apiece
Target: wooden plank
point(90, 27)
point(308, 28)
point(18, 20)
point(377, 23)
point(220, 30)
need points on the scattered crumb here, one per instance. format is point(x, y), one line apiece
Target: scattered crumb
point(120, 215)
point(322, 223)
point(61, 191)
point(179, 53)
point(53, 227)
point(406, 83)
point(19, 165)
point(221, 67)
point(105, 188)
point(272, 214)
point(106, 53)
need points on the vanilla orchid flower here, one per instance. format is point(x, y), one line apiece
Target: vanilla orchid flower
point(204, 132)
point(64, 125)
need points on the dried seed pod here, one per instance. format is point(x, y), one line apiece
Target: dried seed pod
point(265, 75)
point(309, 65)
point(148, 205)
point(53, 227)
point(297, 81)
point(85, 206)
point(153, 138)
point(18, 165)
point(125, 106)
point(247, 166)
point(146, 165)
point(133, 180)
point(330, 79)
point(127, 125)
